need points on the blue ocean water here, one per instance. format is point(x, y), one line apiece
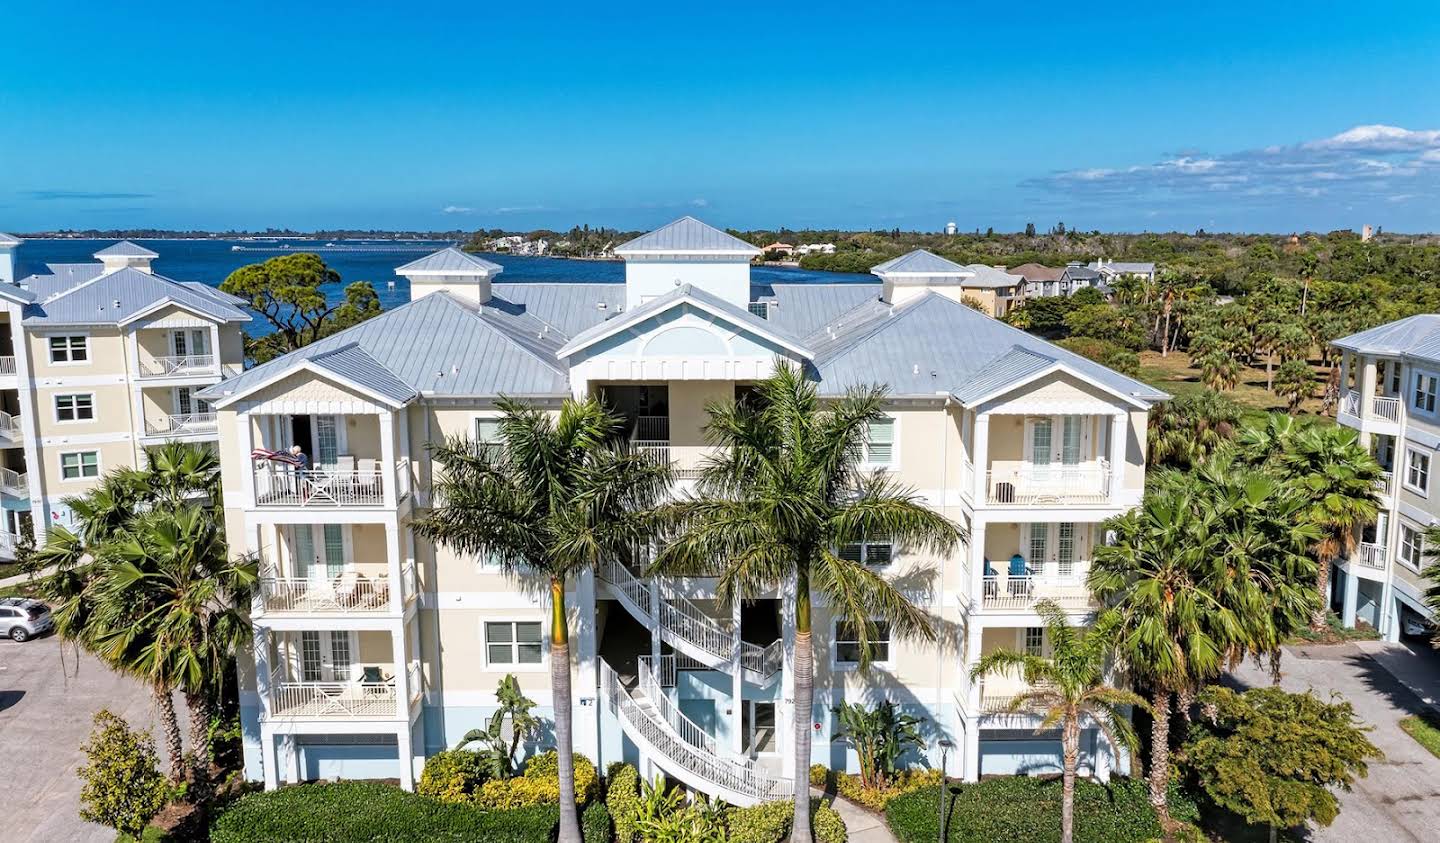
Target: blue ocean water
point(210, 261)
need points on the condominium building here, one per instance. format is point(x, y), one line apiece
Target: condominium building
point(988, 289)
point(99, 361)
point(1388, 379)
point(374, 649)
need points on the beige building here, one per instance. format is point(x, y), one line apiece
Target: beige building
point(99, 361)
point(1388, 379)
point(989, 289)
point(374, 649)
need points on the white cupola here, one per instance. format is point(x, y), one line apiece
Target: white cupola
point(458, 273)
point(124, 255)
point(687, 251)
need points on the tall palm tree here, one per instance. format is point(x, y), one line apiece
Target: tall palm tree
point(784, 493)
point(1070, 687)
point(172, 604)
point(560, 496)
point(1166, 578)
point(1187, 430)
point(1337, 476)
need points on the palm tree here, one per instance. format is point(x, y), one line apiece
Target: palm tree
point(1068, 687)
point(560, 496)
point(1336, 475)
point(774, 506)
point(1185, 431)
point(1166, 578)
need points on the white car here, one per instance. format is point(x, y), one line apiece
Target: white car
point(22, 618)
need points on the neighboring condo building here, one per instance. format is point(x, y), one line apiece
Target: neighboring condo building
point(1388, 378)
point(374, 649)
point(988, 289)
point(99, 361)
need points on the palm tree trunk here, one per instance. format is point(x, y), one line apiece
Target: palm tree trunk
point(165, 708)
point(1322, 587)
point(200, 713)
point(560, 692)
point(1160, 755)
point(1071, 750)
point(804, 708)
point(1275, 666)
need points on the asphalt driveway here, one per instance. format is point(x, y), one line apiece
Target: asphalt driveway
point(45, 714)
point(1400, 799)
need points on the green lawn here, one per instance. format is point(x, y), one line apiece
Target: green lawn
point(1425, 730)
point(1175, 375)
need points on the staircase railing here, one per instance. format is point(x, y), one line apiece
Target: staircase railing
point(688, 730)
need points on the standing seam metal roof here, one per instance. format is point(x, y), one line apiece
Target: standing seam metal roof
point(93, 302)
point(920, 262)
point(687, 235)
point(126, 249)
point(451, 259)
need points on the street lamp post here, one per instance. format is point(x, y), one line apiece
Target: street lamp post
point(945, 745)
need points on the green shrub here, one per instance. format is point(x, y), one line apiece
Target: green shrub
point(452, 776)
point(770, 822)
point(821, 776)
point(623, 798)
point(1020, 809)
point(539, 785)
point(374, 812)
point(123, 787)
point(828, 826)
point(875, 799)
point(595, 823)
point(1104, 352)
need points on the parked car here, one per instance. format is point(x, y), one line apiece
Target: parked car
point(22, 618)
point(1416, 627)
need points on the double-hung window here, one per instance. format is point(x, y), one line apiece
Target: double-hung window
point(487, 437)
point(873, 552)
point(848, 646)
point(1411, 546)
point(880, 442)
point(70, 349)
point(79, 465)
point(513, 642)
point(1034, 640)
point(1417, 471)
point(1424, 397)
point(69, 408)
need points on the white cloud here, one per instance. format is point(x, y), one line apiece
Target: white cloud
point(456, 209)
point(699, 203)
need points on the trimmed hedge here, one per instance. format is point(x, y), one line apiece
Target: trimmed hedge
point(372, 812)
point(874, 799)
point(539, 784)
point(622, 796)
point(595, 823)
point(452, 776)
point(1020, 809)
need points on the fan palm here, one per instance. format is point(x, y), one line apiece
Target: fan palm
point(773, 508)
point(1187, 430)
point(1067, 688)
point(560, 496)
point(1335, 474)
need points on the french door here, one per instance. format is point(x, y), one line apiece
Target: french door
point(190, 342)
point(1053, 549)
point(321, 438)
point(1054, 443)
point(326, 656)
point(320, 551)
point(185, 402)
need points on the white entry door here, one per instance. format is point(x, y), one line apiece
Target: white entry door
point(327, 656)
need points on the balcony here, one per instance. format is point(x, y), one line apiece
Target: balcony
point(10, 428)
point(1029, 484)
point(363, 486)
point(177, 366)
point(331, 700)
point(185, 424)
point(1004, 593)
point(1370, 555)
point(1386, 408)
point(7, 366)
point(1385, 484)
point(14, 484)
point(351, 593)
point(687, 461)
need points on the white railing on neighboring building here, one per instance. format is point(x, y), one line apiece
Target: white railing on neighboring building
point(7, 365)
point(177, 364)
point(762, 660)
point(280, 485)
point(1045, 485)
point(652, 428)
point(1371, 555)
point(182, 424)
point(14, 483)
point(333, 700)
point(737, 780)
point(688, 461)
point(1351, 404)
point(10, 427)
point(1386, 407)
point(347, 593)
point(1385, 483)
point(1004, 592)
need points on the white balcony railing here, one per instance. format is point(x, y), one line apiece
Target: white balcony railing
point(333, 700)
point(1386, 407)
point(410, 587)
point(7, 365)
point(1351, 404)
point(414, 678)
point(14, 483)
point(1017, 593)
point(183, 424)
point(347, 593)
point(177, 364)
point(1370, 555)
point(1044, 485)
point(10, 427)
point(1385, 483)
point(279, 485)
point(688, 461)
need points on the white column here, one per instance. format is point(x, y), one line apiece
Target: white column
point(1101, 755)
point(655, 586)
point(1344, 375)
point(267, 756)
point(1119, 439)
point(970, 772)
point(1367, 387)
point(389, 476)
point(291, 745)
point(981, 457)
point(586, 712)
point(737, 687)
point(785, 713)
point(25, 392)
point(401, 675)
point(246, 438)
point(405, 754)
point(215, 348)
point(394, 560)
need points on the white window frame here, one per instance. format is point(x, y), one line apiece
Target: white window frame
point(514, 644)
point(70, 337)
point(1423, 396)
point(838, 664)
point(1414, 539)
point(1024, 634)
point(869, 462)
point(99, 466)
point(475, 428)
point(55, 406)
point(1421, 489)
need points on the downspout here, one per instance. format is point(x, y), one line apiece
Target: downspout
point(940, 589)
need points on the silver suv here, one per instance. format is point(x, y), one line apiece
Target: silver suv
point(22, 618)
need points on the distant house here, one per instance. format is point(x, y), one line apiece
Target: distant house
point(1076, 276)
point(1119, 269)
point(994, 291)
point(816, 248)
point(779, 249)
point(1040, 281)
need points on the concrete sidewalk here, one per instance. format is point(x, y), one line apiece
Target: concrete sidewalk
point(19, 578)
point(861, 825)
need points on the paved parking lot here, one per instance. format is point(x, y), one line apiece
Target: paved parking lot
point(45, 714)
point(1400, 799)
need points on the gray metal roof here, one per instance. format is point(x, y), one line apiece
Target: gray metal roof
point(354, 364)
point(437, 345)
point(1418, 336)
point(16, 293)
point(94, 302)
point(9, 239)
point(920, 262)
point(991, 278)
point(738, 316)
point(802, 308)
point(935, 344)
point(687, 236)
point(570, 307)
point(126, 249)
point(1123, 267)
point(1036, 272)
point(450, 260)
point(215, 293)
point(62, 277)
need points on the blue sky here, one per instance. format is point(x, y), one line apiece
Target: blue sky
point(1116, 116)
